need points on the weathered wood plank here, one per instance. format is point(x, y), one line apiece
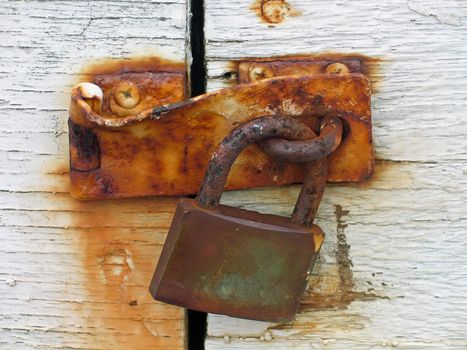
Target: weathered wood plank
point(392, 264)
point(419, 98)
point(75, 275)
point(392, 269)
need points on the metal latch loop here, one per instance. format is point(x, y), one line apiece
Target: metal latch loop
point(164, 150)
point(301, 151)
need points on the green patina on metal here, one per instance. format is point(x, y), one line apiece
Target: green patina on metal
point(253, 272)
point(219, 262)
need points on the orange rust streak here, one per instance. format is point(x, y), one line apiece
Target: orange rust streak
point(118, 242)
point(120, 245)
point(273, 11)
point(133, 65)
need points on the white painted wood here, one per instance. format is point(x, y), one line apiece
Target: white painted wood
point(407, 250)
point(419, 107)
point(75, 275)
point(69, 271)
point(404, 271)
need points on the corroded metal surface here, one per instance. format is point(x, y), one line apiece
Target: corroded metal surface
point(254, 69)
point(165, 150)
point(329, 139)
point(263, 265)
point(84, 148)
point(241, 263)
point(253, 131)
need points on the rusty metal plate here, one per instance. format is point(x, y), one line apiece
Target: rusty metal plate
point(235, 262)
point(165, 150)
point(255, 69)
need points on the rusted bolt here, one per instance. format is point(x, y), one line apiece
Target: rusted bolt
point(274, 11)
point(127, 95)
point(337, 68)
point(258, 72)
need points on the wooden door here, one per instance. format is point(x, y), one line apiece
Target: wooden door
point(392, 270)
point(75, 275)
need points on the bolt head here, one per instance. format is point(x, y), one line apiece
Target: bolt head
point(337, 68)
point(127, 95)
point(274, 11)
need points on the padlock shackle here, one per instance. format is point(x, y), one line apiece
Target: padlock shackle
point(256, 130)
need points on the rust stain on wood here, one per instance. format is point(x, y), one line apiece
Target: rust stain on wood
point(119, 243)
point(337, 289)
point(117, 246)
point(332, 287)
point(119, 261)
point(273, 11)
point(130, 65)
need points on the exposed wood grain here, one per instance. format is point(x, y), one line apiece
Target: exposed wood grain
point(392, 269)
point(391, 264)
point(75, 275)
point(421, 98)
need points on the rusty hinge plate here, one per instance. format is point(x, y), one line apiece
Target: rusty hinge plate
point(164, 150)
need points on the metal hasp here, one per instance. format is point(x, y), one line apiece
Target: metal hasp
point(241, 263)
point(123, 143)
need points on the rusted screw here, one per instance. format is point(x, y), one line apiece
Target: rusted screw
point(127, 95)
point(337, 68)
point(258, 72)
point(274, 11)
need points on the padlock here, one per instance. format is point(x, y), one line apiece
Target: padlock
point(226, 260)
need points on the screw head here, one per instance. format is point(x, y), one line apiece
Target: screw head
point(337, 68)
point(258, 72)
point(126, 94)
point(274, 11)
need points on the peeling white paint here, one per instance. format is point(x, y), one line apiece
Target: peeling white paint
point(54, 292)
point(405, 229)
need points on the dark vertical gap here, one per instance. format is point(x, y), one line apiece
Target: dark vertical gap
point(196, 329)
point(197, 321)
point(198, 65)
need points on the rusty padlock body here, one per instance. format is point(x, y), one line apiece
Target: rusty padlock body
point(240, 263)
